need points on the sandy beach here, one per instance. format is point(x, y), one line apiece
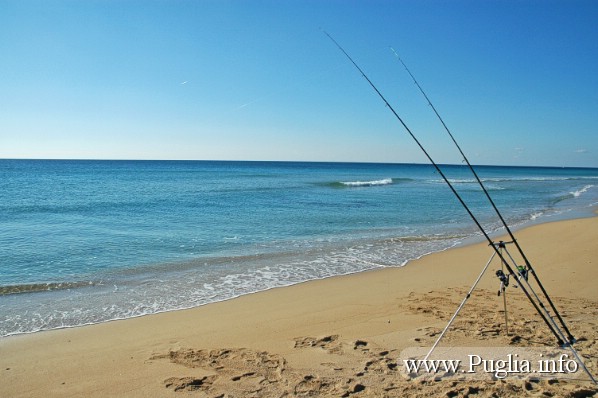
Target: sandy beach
point(341, 336)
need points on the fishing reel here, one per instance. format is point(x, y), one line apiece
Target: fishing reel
point(522, 271)
point(504, 281)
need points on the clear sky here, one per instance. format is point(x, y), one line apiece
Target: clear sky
point(516, 81)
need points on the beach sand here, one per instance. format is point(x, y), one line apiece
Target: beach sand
point(340, 336)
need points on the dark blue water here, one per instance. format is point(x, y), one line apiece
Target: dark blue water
point(89, 241)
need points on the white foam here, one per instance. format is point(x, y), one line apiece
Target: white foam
point(536, 215)
point(578, 193)
point(385, 181)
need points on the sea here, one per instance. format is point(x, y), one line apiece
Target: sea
point(85, 241)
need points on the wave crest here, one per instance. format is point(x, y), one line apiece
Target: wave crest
point(42, 287)
point(578, 193)
point(384, 181)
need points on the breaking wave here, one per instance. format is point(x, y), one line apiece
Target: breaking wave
point(578, 193)
point(42, 287)
point(385, 181)
point(371, 183)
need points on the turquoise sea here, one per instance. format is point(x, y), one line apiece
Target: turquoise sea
point(83, 242)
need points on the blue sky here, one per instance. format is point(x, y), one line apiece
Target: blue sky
point(516, 81)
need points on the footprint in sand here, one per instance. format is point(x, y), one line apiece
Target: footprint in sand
point(189, 383)
point(329, 343)
point(248, 370)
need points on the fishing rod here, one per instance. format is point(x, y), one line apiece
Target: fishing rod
point(446, 180)
point(510, 233)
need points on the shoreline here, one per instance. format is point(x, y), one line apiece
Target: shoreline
point(478, 238)
point(307, 324)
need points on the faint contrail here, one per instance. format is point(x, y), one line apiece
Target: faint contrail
point(247, 104)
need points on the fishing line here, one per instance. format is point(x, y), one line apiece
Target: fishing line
point(498, 213)
point(446, 180)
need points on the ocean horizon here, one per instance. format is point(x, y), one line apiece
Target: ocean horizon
point(89, 241)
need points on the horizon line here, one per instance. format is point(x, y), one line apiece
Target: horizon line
point(292, 161)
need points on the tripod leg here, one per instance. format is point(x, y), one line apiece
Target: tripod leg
point(460, 306)
point(504, 300)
